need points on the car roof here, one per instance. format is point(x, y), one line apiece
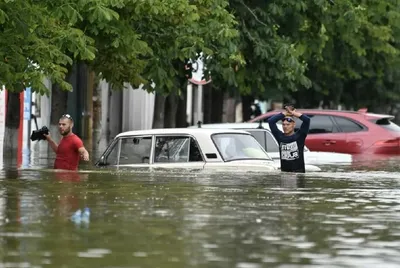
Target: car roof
point(245, 125)
point(360, 112)
point(175, 131)
point(231, 125)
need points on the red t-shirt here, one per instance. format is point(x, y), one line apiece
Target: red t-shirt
point(68, 156)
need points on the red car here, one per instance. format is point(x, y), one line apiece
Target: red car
point(350, 132)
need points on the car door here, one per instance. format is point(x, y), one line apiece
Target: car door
point(177, 151)
point(324, 135)
point(355, 133)
point(130, 151)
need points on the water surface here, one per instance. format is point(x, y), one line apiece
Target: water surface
point(345, 216)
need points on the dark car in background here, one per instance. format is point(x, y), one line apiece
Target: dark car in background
point(350, 132)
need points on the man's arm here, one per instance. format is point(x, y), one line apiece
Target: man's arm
point(83, 153)
point(305, 126)
point(272, 124)
point(52, 143)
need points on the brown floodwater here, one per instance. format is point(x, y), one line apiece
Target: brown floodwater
point(344, 216)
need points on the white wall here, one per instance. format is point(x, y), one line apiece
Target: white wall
point(138, 109)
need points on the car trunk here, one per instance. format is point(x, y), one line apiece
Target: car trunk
point(385, 121)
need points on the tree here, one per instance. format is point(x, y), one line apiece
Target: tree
point(197, 26)
point(351, 50)
point(271, 63)
point(34, 44)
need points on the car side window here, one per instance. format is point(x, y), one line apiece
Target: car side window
point(347, 125)
point(135, 150)
point(272, 145)
point(111, 158)
point(176, 149)
point(194, 152)
point(321, 124)
point(259, 136)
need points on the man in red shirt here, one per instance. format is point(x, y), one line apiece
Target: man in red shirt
point(71, 149)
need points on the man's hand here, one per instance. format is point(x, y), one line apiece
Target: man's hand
point(85, 155)
point(290, 111)
point(51, 142)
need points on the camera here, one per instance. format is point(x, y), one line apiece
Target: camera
point(39, 134)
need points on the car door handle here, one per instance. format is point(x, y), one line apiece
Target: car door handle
point(329, 142)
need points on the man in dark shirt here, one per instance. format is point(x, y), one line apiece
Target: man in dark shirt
point(291, 144)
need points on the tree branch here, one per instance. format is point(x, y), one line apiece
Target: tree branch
point(252, 13)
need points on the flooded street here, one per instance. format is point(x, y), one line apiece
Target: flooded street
point(345, 216)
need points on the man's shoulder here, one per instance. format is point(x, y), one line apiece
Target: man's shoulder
point(74, 138)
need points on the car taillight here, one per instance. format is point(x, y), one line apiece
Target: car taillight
point(388, 143)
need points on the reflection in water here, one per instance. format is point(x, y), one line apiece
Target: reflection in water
point(292, 180)
point(336, 218)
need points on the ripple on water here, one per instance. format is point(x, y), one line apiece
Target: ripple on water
point(140, 254)
point(347, 240)
point(17, 265)
point(363, 231)
point(247, 265)
point(94, 253)
point(30, 234)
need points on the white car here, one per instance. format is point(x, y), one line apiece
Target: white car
point(263, 135)
point(196, 148)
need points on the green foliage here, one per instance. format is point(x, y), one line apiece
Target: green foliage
point(178, 38)
point(310, 50)
point(30, 38)
point(139, 42)
point(267, 62)
point(351, 48)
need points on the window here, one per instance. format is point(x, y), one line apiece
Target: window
point(234, 146)
point(111, 157)
point(135, 150)
point(264, 138)
point(321, 124)
point(194, 152)
point(259, 135)
point(386, 123)
point(272, 144)
point(347, 125)
point(176, 149)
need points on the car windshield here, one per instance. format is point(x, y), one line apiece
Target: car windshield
point(234, 146)
point(386, 123)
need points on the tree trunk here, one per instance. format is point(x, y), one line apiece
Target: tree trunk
point(11, 126)
point(115, 113)
point(181, 117)
point(216, 107)
point(229, 109)
point(246, 107)
point(59, 100)
point(159, 108)
point(97, 116)
point(207, 104)
point(170, 110)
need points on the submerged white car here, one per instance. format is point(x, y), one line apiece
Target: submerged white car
point(196, 148)
point(263, 135)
